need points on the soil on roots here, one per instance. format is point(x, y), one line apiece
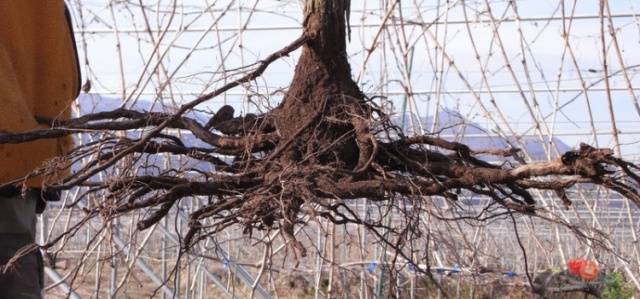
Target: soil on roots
point(322, 95)
point(322, 125)
point(317, 115)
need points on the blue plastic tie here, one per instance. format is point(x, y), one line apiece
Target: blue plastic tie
point(372, 267)
point(225, 262)
point(411, 267)
point(456, 269)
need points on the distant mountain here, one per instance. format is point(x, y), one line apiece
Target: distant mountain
point(451, 125)
point(93, 103)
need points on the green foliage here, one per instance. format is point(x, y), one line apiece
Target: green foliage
point(615, 287)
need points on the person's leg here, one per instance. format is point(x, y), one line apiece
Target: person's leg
point(22, 279)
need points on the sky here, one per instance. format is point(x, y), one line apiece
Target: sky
point(405, 57)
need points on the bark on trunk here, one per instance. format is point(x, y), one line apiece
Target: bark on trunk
point(322, 86)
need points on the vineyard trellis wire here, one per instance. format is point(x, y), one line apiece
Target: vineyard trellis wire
point(484, 72)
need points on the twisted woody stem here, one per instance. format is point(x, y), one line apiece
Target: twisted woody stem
point(324, 144)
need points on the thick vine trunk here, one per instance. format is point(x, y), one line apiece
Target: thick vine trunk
point(321, 95)
point(321, 146)
point(322, 86)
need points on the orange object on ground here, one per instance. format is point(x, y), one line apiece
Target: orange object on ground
point(575, 265)
point(589, 271)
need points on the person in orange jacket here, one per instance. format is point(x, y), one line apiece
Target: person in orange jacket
point(39, 79)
